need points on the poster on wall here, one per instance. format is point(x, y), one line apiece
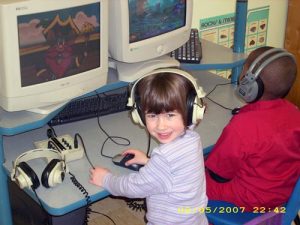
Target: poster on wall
point(220, 30)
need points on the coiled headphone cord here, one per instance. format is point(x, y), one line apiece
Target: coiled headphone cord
point(88, 210)
point(79, 185)
point(82, 189)
point(86, 195)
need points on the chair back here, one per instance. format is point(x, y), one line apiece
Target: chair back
point(292, 206)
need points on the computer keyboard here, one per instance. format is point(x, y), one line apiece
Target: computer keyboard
point(92, 106)
point(191, 51)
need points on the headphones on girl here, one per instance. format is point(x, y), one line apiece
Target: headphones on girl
point(195, 106)
point(53, 174)
point(251, 87)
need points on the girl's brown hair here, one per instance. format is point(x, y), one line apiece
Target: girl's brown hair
point(164, 92)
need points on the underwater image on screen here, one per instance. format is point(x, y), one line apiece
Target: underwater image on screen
point(149, 18)
point(60, 43)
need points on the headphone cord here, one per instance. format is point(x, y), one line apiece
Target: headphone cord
point(40, 203)
point(77, 135)
point(222, 106)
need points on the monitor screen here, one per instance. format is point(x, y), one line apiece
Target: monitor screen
point(153, 18)
point(141, 30)
point(52, 45)
point(51, 52)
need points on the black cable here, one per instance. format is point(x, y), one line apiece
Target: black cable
point(104, 215)
point(51, 132)
point(52, 145)
point(139, 204)
point(40, 203)
point(88, 200)
point(77, 135)
point(109, 137)
point(149, 144)
point(86, 196)
point(222, 106)
point(135, 204)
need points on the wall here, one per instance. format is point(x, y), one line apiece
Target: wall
point(277, 15)
point(292, 41)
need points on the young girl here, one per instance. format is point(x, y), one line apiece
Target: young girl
point(169, 104)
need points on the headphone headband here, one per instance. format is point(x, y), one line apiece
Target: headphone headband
point(39, 153)
point(281, 53)
point(195, 107)
point(199, 90)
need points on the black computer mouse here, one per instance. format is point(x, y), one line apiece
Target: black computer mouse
point(120, 160)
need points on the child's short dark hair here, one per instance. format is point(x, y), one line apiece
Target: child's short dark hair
point(164, 92)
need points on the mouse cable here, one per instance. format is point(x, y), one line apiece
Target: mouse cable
point(114, 139)
point(139, 204)
point(223, 84)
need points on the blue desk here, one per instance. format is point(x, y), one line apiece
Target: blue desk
point(118, 124)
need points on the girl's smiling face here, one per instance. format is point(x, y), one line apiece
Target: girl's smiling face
point(166, 126)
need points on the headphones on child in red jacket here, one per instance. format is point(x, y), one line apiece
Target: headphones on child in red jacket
point(251, 87)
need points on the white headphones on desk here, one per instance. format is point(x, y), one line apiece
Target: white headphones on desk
point(194, 102)
point(53, 174)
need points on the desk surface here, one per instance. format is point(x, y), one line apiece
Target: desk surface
point(66, 197)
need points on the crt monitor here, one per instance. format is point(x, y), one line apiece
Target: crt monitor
point(141, 30)
point(145, 29)
point(51, 52)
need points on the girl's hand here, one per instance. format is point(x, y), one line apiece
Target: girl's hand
point(97, 176)
point(139, 157)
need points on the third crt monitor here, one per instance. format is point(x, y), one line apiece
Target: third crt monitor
point(143, 32)
point(51, 52)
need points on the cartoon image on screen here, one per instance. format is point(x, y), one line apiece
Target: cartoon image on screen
point(149, 18)
point(58, 44)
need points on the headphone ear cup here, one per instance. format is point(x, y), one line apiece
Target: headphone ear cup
point(190, 107)
point(248, 88)
point(53, 173)
point(195, 110)
point(136, 117)
point(198, 111)
point(260, 88)
point(26, 176)
point(136, 113)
